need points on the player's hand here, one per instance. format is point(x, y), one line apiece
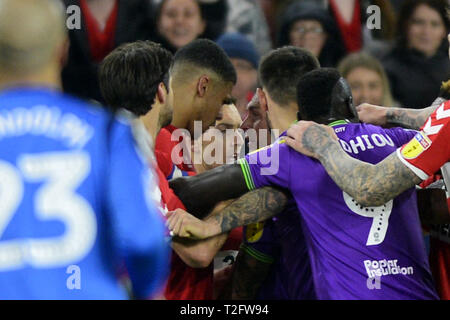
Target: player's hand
point(309, 138)
point(182, 224)
point(369, 113)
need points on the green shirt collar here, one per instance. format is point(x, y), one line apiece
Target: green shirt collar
point(338, 122)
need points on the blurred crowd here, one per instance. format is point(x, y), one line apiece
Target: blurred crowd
point(395, 54)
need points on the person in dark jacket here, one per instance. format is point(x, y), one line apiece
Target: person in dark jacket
point(178, 22)
point(308, 25)
point(419, 63)
point(105, 24)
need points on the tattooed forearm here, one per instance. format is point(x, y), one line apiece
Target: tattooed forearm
point(410, 118)
point(255, 206)
point(370, 185)
point(248, 275)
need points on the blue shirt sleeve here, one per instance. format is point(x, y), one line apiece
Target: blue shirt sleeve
point(138, 229)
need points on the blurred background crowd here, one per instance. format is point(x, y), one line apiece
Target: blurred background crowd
point(402, 63)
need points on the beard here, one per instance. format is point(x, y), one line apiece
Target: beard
point(165, 117)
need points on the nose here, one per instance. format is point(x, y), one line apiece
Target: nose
point(363, 94)
point(179, 19)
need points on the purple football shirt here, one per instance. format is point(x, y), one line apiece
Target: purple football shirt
point(355, 252)
point(280, 241)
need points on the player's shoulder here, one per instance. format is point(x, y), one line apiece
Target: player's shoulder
point(164, 162)
point(438, 119)
point(359, 128)
point(93, 113)
point(163, 141)
point(270, 152)
point(88, 108)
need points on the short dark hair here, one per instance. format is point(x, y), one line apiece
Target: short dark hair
point(207, 54)
point(130, 75)
point(408, 8)
point(315, 91)
point(281, 69)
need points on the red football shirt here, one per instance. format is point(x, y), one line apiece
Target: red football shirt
point(184, 283)
point(167, 145)
point(425, 155)
point(429, 150)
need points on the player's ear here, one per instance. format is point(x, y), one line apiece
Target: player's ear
point(262, 99)
point(161, 93)
point(351, 110)
point(202, 85)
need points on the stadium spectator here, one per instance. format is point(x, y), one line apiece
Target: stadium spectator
point(367, 79)
point(419, 63)
point(179, 22)
point(307, 25)
point(245, 59)
point(348, 19)
point(105, 24)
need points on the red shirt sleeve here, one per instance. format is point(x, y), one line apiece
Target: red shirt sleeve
point(163, 142)
point(429, 150)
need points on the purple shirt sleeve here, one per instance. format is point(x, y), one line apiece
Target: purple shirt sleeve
point(400, 136)
point(268, 166)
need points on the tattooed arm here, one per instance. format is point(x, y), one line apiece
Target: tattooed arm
point(407, 118)
point(202, 192)
point(199, 254)
point(370, 185)
point(248, 275)
point(255, 206)
point(403, 117)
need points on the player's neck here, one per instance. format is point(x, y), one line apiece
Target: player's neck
point(179, 118)
point(151, 121)
point(178, 122)
point(48, 77)
point(285, 117)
